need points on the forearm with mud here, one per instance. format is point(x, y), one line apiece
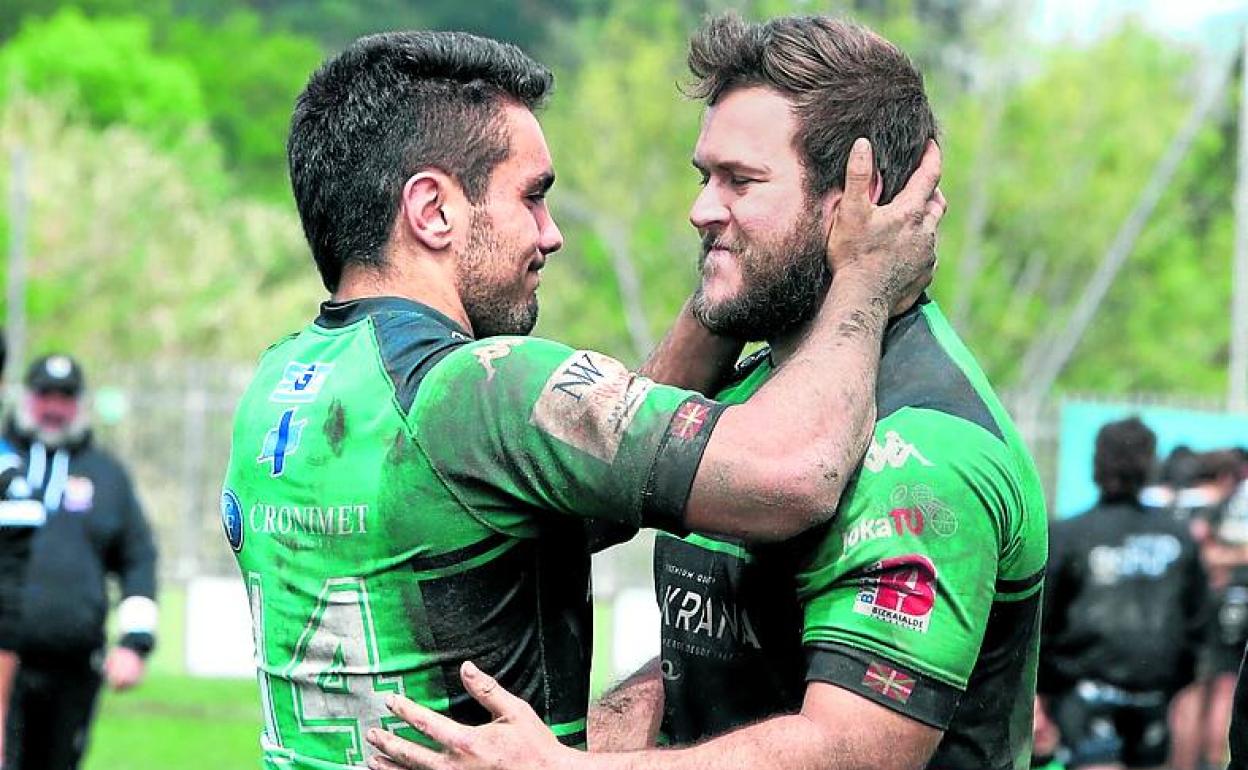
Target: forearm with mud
point(627, 717)
point(777, 464)
point(692, 357)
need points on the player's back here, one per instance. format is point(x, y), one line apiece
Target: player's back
point(366, 575)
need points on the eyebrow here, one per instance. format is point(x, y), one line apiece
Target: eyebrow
point(730, 166)
point(540, 184)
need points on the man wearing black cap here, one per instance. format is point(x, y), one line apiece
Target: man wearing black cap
point(94, 527)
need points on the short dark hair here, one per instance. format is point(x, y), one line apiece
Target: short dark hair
point(1125, 453)
point(386, 107)
point(845, 81)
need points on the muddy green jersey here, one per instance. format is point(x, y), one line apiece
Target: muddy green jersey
point(923, 594)
point(401, 498)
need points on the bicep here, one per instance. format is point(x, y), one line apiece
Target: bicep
point(879, 737)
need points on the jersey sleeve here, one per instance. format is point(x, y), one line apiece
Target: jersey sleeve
point(896, 595)
point(513, 424)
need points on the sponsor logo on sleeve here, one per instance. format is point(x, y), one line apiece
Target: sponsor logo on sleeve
point(895, 452)
point(889, 682)
point(301, 383)
point(281, 441)
point(232, 519)
point(491, 351)
point(589, 402)
point(900, 590)
point(912, 510)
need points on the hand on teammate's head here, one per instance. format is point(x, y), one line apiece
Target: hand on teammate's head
point(895, 244)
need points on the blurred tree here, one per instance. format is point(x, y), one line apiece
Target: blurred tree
point(133, 257)
point(109, 69)
point(249, 97)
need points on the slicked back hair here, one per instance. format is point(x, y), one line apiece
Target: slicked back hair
point(1123, 461)
point(844, 80)
point(382, 110)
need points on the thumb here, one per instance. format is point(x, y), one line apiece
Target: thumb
point(489, 693)
point(859, 171)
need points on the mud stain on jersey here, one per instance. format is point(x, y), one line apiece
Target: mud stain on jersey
point(400, 448)
point(335, 427)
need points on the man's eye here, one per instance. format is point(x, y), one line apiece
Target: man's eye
point(741, 181)
point(536, 197)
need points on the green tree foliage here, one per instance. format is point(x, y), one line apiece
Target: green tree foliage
point(622, 136)
point(168, 112)
point(1077, 142)
point(110, 70)
point(249, 78)
point(133, 258)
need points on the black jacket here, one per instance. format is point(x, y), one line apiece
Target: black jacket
point(1126, 601)
point(95, 527)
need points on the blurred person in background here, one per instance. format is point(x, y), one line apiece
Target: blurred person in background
point(1124, 614)
point(94, 528)
point(1220, 526)
point(19, 519)
point(1200, 491)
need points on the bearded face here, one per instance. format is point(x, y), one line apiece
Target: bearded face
point(783, 275)
point(496, 280)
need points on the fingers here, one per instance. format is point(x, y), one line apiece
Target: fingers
point(489, 693)
point(406, 753)
point(922, 184)
point(445, 731)
point(378, 762)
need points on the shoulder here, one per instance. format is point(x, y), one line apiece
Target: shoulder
point(508, 357)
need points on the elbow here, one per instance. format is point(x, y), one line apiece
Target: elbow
point(809, 495)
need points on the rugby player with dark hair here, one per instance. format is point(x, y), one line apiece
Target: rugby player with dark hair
point(411, 476)
point(902, 634)
point(1125, 613)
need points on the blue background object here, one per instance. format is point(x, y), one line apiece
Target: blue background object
point(1200, 430)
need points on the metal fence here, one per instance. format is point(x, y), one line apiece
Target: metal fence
point(170, 422)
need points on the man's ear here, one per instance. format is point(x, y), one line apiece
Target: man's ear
point(428, 209)
point(832, 201)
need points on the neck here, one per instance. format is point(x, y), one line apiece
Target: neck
point(418, 278)
point(783, 346)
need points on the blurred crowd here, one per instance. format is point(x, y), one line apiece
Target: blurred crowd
point(1146, 610)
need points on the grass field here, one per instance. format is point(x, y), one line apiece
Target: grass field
point(177, 721)
point(173, 720)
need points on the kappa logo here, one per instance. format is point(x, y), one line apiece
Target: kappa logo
point(900, 590)
point(490, 352)
point(301, 383)
point(894, 453)
point(589, 402)
point(281, 441)
point(889, 682)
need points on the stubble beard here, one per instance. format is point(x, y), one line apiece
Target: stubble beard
point(782, 285)
point(490, 309)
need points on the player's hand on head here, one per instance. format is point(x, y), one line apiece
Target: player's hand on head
point(517, 739)
point(893, 245)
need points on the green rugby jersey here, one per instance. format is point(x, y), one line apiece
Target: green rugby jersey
point(401, 498)
point(923, 594)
